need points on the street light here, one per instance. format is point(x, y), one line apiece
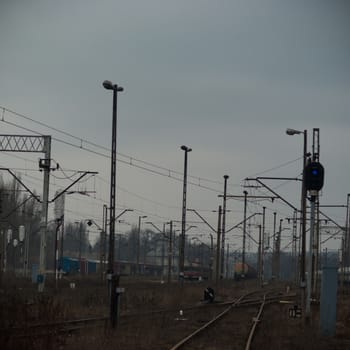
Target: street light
point(303, 206)
point(293, 132)
point(113, 314)
point(115, 88)
point(183, 222)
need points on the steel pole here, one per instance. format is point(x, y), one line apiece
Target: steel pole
point(112, 281)
point(244, 231)
point(217, 267)
point(263, 247)
point(44, 210)
point(259, 259)
point(346, 259)
point(274, 247)
point(303, 227)
point(183, 221)
point(112, 187)
point(105, 208)
point(138, 247)
point(170, 252)
point(223, 227)
point(309, 272)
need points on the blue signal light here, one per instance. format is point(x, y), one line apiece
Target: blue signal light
point(313, 176)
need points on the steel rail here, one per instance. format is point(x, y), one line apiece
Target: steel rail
point(212, 321)
point(192, 335)
point(60, 326)
point(255, 322)
point(232, 304)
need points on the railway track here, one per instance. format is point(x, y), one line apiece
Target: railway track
point(78, 324)
point(229, 327)
point(44, 329)
point(160, 328)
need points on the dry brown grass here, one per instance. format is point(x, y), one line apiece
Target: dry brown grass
point(21, 306)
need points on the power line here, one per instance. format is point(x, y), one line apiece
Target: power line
point(275, 168)
point(82, 140)
point(130, 163)
point(130, 160)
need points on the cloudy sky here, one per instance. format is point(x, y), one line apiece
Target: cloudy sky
point(225, 78)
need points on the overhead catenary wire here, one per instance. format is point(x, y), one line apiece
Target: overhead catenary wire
point(138, 196)
point(123, 158)
point(102, 201)
point(130, 161)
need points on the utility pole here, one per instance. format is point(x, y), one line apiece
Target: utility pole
point(278, 251)
point(218, 252)
point(316, 240)
point(313, 176)
point(245, 196)
point(163, 251)
point(170, 251)
point(138, 247)
point(309, 278)
point(244, 231)
point(115, 89)
point(346, 234)
point(80, 243)
point(227, 258)
point(61, 248)
point(101, 254)
point(45, 165)
point(163, 233)
point(263, 247)
point(104, 242)
point(138, 244)
point(113, 281)
point(223, 227)
point(303, 225)
point(183, 221)
point(211, 240)
point(26, 242)
point(259, 259)
point(295, 254)
point(42, 144)
point(274, 268)
point(58, 225)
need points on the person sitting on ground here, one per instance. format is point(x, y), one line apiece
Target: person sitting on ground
point(209, 295)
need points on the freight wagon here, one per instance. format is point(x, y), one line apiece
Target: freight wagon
point(243, 271)
point(73, 266)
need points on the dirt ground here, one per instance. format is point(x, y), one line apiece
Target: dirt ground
point(279, 331)
point(21, 306)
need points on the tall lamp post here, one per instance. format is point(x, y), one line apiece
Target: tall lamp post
point(303, 206)
point(115, 88)
point(110, 272)
point(183, 221)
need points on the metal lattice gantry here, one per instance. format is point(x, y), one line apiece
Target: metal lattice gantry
point(23, 143)
point(34, 143)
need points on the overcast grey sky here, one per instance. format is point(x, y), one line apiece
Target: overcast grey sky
point(225, 78)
